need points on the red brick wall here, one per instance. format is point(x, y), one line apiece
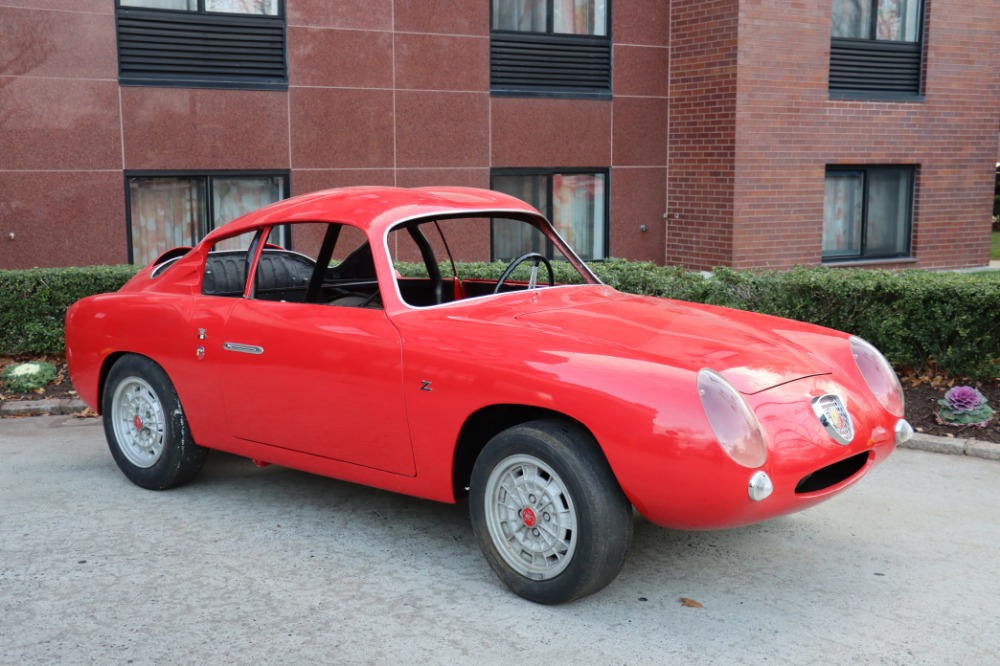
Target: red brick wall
point(702, 132)
point(720, 117)
point(789, 130)
point(381, 92)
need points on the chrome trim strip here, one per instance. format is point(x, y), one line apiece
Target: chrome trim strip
point(242, 348)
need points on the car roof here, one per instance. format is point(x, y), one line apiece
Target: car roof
point(374, 209)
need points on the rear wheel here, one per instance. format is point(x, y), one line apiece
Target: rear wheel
point(548, 512)
point(145, 426)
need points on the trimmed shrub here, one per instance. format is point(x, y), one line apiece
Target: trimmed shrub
point(33, 303)
point(917, 318)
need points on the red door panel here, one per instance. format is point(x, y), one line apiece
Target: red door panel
point(320, 379)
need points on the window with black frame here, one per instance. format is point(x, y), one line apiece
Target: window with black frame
point(168, 211)
point(876, 48)
point(202, 43)
point(867, 213)
point(575, 201)
point(551, 48)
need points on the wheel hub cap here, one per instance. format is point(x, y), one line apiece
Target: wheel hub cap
point(139, 422)
point(531, 517)
point(528, 516)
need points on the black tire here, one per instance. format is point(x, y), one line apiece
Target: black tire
point(145, 426)
point(574, 540)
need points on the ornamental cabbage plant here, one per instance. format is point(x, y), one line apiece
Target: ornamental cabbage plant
point(964, 405)
point(25, 377)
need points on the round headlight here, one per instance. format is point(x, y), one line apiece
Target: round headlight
point(733, 422)
point(879, 375)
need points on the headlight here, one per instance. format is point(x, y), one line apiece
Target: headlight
point(733, 422)
point(881, 378)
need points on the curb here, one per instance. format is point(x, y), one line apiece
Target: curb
point(52, 406)
point(955, 446)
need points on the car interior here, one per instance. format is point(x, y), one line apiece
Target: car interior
point(349, 279)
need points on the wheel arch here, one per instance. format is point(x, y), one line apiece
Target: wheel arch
point(106, 365)
point(485, 423)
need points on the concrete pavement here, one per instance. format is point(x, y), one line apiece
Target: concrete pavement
point(271, 566)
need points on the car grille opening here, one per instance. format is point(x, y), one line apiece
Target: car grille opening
point(831, 475)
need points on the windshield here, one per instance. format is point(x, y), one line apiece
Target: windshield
point(440, 261)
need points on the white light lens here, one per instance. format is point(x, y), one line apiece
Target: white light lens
point(732, 420)
point(879, 375)
point(904, 431)
point(760, 487)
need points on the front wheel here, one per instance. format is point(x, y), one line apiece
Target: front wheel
point(548, 512)
point(145, 426)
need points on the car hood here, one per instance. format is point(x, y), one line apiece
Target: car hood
point(753, 352)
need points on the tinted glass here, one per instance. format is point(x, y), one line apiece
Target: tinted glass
point(183, 5)
point(888, 212)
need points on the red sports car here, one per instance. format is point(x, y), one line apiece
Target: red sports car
point(334, 333)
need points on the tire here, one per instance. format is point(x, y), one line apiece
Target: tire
point(548, 512)
point(145, 426)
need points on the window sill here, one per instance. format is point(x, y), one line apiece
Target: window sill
point(868, 263)
point(871, 96)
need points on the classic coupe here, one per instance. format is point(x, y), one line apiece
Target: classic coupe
point(351, 333)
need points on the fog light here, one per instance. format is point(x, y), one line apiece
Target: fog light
point(904, 431)
point(760, 486)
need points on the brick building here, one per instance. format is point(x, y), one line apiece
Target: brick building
point(749, 133)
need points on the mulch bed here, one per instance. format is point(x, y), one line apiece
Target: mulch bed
point(922, 393)
point(60, 387)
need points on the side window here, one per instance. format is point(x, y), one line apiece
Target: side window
point(226, 266)
point(326, 264)
point(350, 279)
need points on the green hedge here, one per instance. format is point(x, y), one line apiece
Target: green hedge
point(917, 318)
point(33, 303)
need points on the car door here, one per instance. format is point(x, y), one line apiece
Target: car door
point(319, 378)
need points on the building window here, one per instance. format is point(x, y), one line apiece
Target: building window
point(253, 7)
point(576, 201)
point(165, 212)
point(867, 213)
point(875, 48)
point(550, 48)
point(202, 43)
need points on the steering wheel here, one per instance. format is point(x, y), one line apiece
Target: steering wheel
point(535, 259)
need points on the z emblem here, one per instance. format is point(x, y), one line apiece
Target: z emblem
point(425, 385)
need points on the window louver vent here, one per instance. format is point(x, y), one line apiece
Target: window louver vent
point(201, 51)
point(550, 64)
point(866, 66)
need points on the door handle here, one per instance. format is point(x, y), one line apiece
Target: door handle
point(242, 348)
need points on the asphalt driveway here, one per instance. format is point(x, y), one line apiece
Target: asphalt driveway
point(271, 566)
